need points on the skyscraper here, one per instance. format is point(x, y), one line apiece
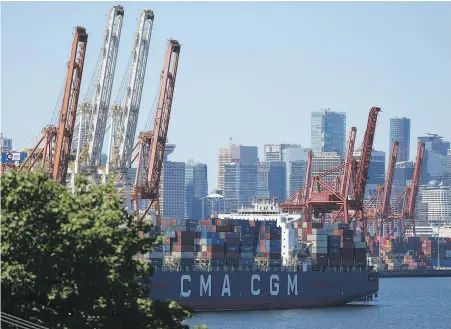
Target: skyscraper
point(400, 131)
point(235, 153)
point(272, 180)
point(240, 184)
point(328, 131)
point(172, 187)
point(196, 187)
point(296, 161)
point(325, 161)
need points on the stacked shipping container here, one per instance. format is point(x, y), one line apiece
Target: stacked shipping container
point(415, 252)
point(241, 242)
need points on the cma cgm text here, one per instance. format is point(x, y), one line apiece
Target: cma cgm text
point(256, 285)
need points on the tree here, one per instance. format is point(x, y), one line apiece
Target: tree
point(68, 261)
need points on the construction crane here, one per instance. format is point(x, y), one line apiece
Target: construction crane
point(152, 143)
point(124, 118)
point(93, 113)
point(57, 139)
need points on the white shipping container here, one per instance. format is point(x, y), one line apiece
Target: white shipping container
point(314, 237)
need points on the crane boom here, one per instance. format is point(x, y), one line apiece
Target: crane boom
point(68, 111)
point(365, 158)
point(122, 137)
point(388, 185)
point(415, 180)
point(160, 129)
point(155, 141)
point(98, 115)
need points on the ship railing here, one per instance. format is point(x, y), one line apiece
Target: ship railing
point(196, 268)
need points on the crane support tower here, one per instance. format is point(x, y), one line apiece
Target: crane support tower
point(124, 118)
point(61, 136)
point(156, 140)
point(94, 113)
point(296, 202)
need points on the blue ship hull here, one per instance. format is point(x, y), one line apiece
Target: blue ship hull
point(256, 290)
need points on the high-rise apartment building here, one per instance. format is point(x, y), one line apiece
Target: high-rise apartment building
point(274, 152)
point(328, 132)
point(196, 187)
point(240, 184)
point(400, 131)
point(232, 154)
point(272, 180)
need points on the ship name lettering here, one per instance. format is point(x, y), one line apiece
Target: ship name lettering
point(274, 286)
point(226, 286)
point(204, 286)
point(257, 291)
point(184, 293)
point(293, 285)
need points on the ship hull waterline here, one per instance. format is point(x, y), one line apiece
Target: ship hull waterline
point(224, 291)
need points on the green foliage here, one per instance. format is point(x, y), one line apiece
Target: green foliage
point(68, 261)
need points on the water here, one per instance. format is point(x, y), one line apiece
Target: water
point(403, 303)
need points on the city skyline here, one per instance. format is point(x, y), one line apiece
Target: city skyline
point(393, 79)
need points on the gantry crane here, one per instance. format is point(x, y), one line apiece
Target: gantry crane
point(56, 150)
point(152, 143)
point(124, 118)
point(326, 198)
point(93, 113)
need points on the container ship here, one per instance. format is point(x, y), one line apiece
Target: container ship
point(262, 260)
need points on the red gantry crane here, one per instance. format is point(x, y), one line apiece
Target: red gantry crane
point(60, 137)
point(152, 143)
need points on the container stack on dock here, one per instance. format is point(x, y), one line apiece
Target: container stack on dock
point(415, 253)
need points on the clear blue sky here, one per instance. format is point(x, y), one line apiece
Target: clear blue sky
point(250, 71)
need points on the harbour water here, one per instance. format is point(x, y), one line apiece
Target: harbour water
point(403, 303)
